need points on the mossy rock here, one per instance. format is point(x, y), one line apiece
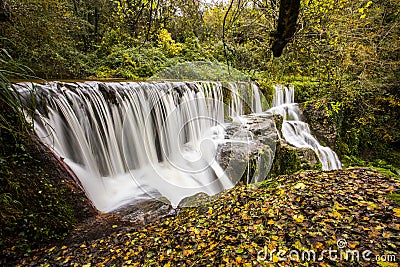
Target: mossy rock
point(289, 160)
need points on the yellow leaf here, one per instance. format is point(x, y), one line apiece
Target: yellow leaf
point(338, 206)
point(335, 214)
point(239, 259)
point(245, 217)
point(263, 209)
point(387, 264)
point(352, 244)
point(386, 235)
point(187, 252)
point(298, 218)
point(299, 186)
point(271, 222)
point(319, 245)
point(372, 206)
point(83, 246)
point(271, 246)
point(275, 259)
point(64, 247)
point(396, 212)
point(298, 245)
point(274, 237)
point(66, 259)
point(210, 211)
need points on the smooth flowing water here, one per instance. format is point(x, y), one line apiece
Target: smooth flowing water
point(296, 132)
point(130, 141)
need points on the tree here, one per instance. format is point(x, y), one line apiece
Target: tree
point(287, 22)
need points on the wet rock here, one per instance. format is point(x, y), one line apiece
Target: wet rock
point(248, 153)
point(255, 150)
point(145, 212)
point(308, 158)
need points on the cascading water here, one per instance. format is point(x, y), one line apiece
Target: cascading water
point(297, 132)
point(126, 141)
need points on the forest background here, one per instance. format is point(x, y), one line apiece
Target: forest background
point(344, 53)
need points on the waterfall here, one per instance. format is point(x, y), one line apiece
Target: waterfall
point(296, 132)
point(134, 140)
point(256, 99)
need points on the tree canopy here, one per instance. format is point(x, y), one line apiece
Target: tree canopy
point(344, 51)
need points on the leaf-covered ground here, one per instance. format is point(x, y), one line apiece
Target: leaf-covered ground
point(347, 217)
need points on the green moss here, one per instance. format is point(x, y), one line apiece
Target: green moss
point(395, 197)
point(286, 161)
point(386, 172)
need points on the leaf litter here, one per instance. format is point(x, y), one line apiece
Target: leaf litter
point(249, 224)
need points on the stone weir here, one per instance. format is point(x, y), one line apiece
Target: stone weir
point(131, 141)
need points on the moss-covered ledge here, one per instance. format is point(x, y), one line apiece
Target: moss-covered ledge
point(289, 160)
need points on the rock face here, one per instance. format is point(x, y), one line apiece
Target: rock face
point(256, 151)
point(323, 119)
point(248, 153)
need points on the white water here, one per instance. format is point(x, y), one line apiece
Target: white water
point(297, 132)
point(128, 141)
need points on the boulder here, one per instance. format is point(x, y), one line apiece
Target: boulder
point(145, 212)
point(247, 154)
point(255, 150)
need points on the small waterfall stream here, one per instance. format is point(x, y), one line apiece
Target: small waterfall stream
point(296, 132)
point(128, 141)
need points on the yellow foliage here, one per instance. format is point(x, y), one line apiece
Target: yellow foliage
point(396, 212)
point(166, 42)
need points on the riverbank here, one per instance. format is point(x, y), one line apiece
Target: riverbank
point(345, 210)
